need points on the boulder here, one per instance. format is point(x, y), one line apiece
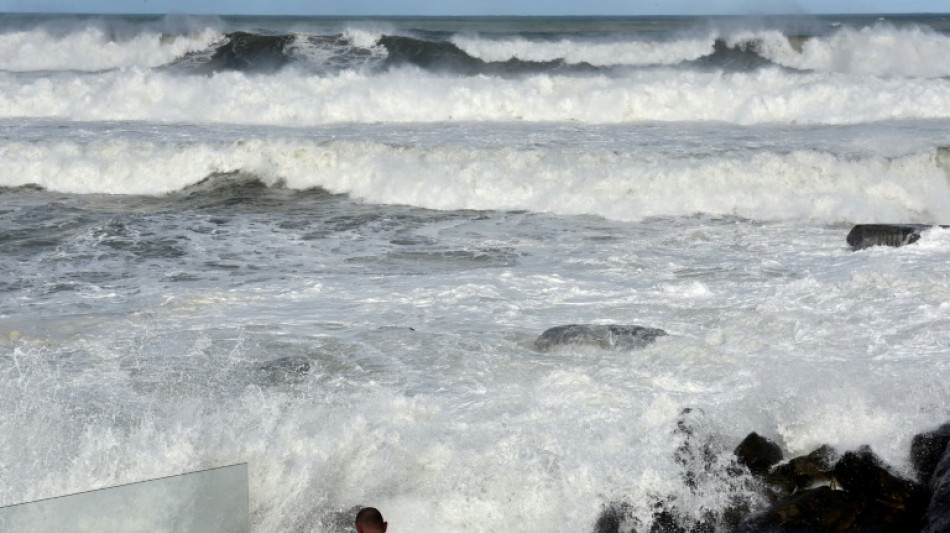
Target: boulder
point(926, 449)
point(862, 472)
point(608, 337)
point(890, 500)
point(805, 471)
point(697, 453)
point(814, 510)
point(758, 454)
point(873, 498)
point(937, 516)
point(816, 493)
point(612, 518)
point(864, 236)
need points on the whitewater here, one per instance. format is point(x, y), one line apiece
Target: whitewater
point(326, 246)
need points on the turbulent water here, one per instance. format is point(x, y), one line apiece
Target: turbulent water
point(327, 246)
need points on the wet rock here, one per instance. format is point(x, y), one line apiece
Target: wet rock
point(864, 236)
point(926, 449)
point(695, 453)
point(937, 515)
point(854, 492)
point(613, 519)
point(862, 472)
point(890, 500)
point(705, 469)
point(810, 511)
point(666, 521)
point(758, 454)
point(608, 337)
point(804, 472)
point(873, 498)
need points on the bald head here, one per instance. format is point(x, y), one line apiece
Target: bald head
point(370, 520)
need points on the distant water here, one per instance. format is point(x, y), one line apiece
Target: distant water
point(326, 246)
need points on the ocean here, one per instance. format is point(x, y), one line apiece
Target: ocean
point(326, 247)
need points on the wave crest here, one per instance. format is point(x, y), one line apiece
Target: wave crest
point(99, 45)
point(880, 50)
point(762, 185)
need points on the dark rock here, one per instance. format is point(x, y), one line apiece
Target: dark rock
point(926, 449)
point(937, 516)
point(695, 453)
point(813, 510)
point(604, 336)
point(866, 235)
point(740, 505)
point(664, 521)
point(805, 471)
point(612, 518)
point(690, 421)
point(873, 499)
point(758, 454)
point(864, 495)
point(891, 501)
point(862, 472)
point(705, 469)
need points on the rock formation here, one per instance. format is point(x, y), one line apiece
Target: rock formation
point(608, 337)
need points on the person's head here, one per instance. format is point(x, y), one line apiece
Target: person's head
point(370, 520)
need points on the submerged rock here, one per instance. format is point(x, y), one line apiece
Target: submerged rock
point(608, 337)
point(283, 369)
point(866, 235)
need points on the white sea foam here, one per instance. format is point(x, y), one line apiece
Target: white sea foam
point(881, 50)
point(95, 48)
point(292, 99)
point(599, 53)
point(136, 333)
point(801, 184)
point(452, 425)
point(366, 34)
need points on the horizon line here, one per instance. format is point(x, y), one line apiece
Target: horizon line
point(472, 15)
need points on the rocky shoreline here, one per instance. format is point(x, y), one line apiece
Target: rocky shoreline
point(825, 491)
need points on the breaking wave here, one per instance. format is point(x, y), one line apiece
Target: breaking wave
point(96, 44)
point(763, 185)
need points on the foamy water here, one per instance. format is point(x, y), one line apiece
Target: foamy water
point(334, 266)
